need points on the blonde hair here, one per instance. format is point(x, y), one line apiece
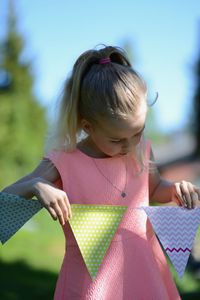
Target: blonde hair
point(93, 90)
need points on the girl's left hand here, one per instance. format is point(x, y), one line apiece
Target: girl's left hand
point(187, 194)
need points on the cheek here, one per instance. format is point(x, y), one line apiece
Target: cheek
point(116, 149)
point(106, 146)
point(132, 144)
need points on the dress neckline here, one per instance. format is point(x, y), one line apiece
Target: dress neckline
point(100, 158)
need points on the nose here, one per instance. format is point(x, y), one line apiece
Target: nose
point(125, 150)
point(127, 146)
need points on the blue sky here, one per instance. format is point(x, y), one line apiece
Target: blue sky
point(164, 37)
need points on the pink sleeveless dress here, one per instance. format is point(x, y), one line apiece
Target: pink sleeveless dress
point(134, 267)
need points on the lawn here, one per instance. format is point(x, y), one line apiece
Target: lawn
point(31, 259)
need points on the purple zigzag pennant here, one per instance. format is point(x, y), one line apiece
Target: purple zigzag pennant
point(176, 229)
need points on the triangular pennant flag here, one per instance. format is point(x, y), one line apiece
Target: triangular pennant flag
point(94, 227)
point(15, 211)
point(176, 229)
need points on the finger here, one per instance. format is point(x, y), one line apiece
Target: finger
point(186, 190)
point(68, 206)
point(52, 213)
point(179, 195)
point(193, 195)
point(195, 199)
point(64, 209)
point(186, 202)
point(59, 213)
point(197, 190)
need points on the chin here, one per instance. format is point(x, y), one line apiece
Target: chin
point(118, 154)
point(112, 154)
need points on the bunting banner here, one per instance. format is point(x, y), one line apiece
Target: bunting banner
point(94, 227)
point(15, 211)
point(176, 228)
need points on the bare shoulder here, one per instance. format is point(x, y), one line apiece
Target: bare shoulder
point(45, 169)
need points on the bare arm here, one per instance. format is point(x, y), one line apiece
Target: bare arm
point(182, 193)
point(41, 183)
point(25, 186)
point(160, 190)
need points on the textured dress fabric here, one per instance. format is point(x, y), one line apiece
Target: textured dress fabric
point(134, 267)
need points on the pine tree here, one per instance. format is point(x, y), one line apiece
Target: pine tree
point(22, 119)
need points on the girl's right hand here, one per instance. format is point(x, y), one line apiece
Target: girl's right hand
point(53, 199)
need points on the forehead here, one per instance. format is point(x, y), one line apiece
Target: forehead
point(123, 128)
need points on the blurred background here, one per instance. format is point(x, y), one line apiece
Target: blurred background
point(39, 42)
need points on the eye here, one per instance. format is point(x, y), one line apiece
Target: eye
point(134, 136)
point(116, 142)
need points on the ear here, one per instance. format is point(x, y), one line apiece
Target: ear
point(87, 126)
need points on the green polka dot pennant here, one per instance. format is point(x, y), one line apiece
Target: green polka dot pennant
point(94, 227)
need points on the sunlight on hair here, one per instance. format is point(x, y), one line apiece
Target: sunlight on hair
point(113, 89)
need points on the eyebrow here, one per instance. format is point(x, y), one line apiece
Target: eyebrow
point(118, 138)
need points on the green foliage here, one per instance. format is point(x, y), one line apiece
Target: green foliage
point(22, 119)
point(45, 240)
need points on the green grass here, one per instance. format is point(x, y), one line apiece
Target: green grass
point(31, 259)
point(40, 243)
point(20, 281)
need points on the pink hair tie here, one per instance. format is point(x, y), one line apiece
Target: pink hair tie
point(104, 61)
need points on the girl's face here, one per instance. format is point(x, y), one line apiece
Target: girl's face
point(117, 136)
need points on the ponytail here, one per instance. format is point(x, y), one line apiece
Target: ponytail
point(94, 89)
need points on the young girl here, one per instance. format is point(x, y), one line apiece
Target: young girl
point(110, 164)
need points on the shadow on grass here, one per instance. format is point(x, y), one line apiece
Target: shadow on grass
point(190, 296)
point(19, 281)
